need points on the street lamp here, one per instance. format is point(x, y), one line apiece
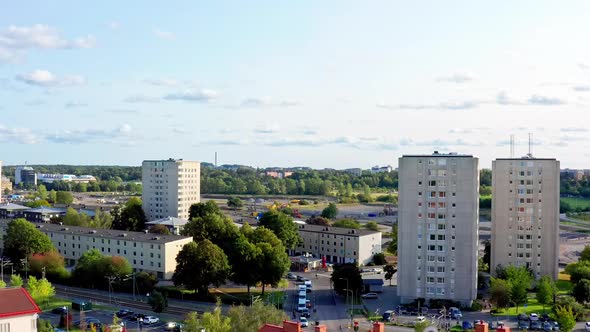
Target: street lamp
point(4, 262)
point(110, 279)
point(131, 276)
point(25, 262)
point(352, 297)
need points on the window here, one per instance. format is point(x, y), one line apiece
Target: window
point(431, 269)
point(441, 205)
point(441, 248)
point(431, 215)
point(432, 194)
point(431, 247)
point(431, 258)
point(432, 183)
point(440, 269)
point(441, 237)
point(430, 280)
point(442, 194)
point(442, 216)
point(440, 280)
point(431, 205)
point(441, 227)
point(441, 259)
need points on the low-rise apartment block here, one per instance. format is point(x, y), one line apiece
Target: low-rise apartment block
point(339, 245)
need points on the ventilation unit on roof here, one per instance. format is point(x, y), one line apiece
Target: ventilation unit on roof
point(156, 238)
point(39, 226)
point(92, 232)
point(123, 235)
point(65, 229)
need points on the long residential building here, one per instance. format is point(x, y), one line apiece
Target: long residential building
point(170, 187)
point(339, 245)
point(525, 214)
point(438, 227)
point(145, 251)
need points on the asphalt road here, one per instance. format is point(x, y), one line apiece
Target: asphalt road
point(105, 317)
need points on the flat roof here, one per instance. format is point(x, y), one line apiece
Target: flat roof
point(169, 221)
point(45, 209)
point(12, 206)
point(110, 233)
point(451, 155)
point(525, 158)
point(336, 230)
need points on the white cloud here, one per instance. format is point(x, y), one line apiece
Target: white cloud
point(574, 129)
point(17, 135)
point(46, 78)
point(203, 95)
point(452, 106)
point(113, 25)
point(141, 99)
point(166, 35)
point(259, 102)
point(544, 100)
point(82, 136)
point(268, 129)
point(581, 88)
point(16, 41)
point(162, 82)
point(457, 78)
point(75, 104)
point(584, 65)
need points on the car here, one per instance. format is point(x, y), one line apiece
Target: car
point(377, 270)
point(369, 296)
point(303, 321)
point(547, 326)
point(123, 313)
point(555, 326)
point(300, 278)
point(494, 325)
point(150, 320)
point(291, 276)
point(308, 304)
point(544, 318)
point(533, 317)
point(467, 325)
point(523, 324)
point(419, 320)
point(136, 317)
point(388, 316)
point(536, 325)
point(59, 310)
point(522, 317)
point(587, 326)
point(172, 326)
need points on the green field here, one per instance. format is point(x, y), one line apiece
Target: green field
point(575, 202)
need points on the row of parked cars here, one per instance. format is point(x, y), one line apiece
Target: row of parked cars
point(536, 322)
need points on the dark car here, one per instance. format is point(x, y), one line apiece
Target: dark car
point(522, 317)
point(544, 318)
point(135, 317)
point(547, 326)
point(467, 325)
point(536, 325)
point(300, 278)
point(124, 313)
point(523, 324)
point(306, 314)
point(59, 310)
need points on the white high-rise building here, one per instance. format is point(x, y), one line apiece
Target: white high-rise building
point(525, 214)
point(170, 187)
point(438, 227)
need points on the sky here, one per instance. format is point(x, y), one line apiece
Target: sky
point(324, 84)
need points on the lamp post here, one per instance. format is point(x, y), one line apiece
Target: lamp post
point(131, 276)
point(4, 262)
point(25, 262)
point(351, 295)
point(110, 279)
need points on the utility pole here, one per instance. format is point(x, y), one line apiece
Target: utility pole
point(110, 279)
point(25, 262)
point(3, 262)
point(43, 273)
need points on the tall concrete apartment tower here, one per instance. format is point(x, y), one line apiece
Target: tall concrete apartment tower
point(170, 187)
point(438, 227)
point(525, 214)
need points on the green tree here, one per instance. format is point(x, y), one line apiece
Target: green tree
point(392, 246)
point(318, 221)
point(2, 284)
point(500, 293)
point(159, 229)
point(44, 325)
point(40, 289)
point(212, 321)
point(16, 281)
point(344, 272)
point(347, 223)
point(581, 291)
point(200, 265)
point(585, 254)
point(569, 302)
point(88, 270)
point(72, 218)
point(283, 226)
point(487, 254)
point(519, 280)
point(131, 217)
point(578, 271)
point(42, 192)
point(251, 318)
point(23, 239)
point(37, 203)
point(243, 258)
point(102, 219)
point(485, 177)
point(203, 209)
point(52, 196)
point(372, 226)
point(565, 318)
point(64, 197)
point(53, 263)
point(235, 203)
point(272, 261)
point(389, 270)
point(330, 212)
point(545, 291)
point(158, 301)
point(379, 259)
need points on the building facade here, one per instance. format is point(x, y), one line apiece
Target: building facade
point(525, 214)
point(145, 251)
point(438, 227)
point(18, 310)
point(170, 187)
point(339, 245)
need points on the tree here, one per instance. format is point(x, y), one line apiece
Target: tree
point(330, 212)
point(347, 223)
point(40, 289)
point(373, 226)
point(392, 246)
point(545, 291)
point(318, 221)
point(344, 272)
point(101, 219)
point(144, 281)
point(158, 301)
point(235, 203)
point(251, 318)
point(72, 218)
point(487, 254)
point(500, 293)
point(389, 270)
point(23, 239)
point(578, 271)
point(379, 259)
point(200, 265)
point(569, 302)
point(283, 226)
point(53, 263)
point(64, 197)
point(159, 229)
point(131, 217)
point(2, 284)
point(585, 254)
point(203, 209)
point(52, 196)
point(37, 203)
point(519, 280)
point(42, 192)
point(243, 258)
point(16, 281)
point(581, 291)
point(44, 325)
point(212, 321)
point(565, 318)
point(88, 270)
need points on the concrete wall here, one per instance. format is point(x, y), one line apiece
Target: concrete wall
point(25, 323)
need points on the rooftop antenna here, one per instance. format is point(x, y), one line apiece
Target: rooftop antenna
point(215, 159)
point(530, 145)
point(512, 146)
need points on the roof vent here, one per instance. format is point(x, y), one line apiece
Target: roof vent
point(435, 152)
point(92, 231)
point(65, 229)
point(123, 235)
point(39, 226)
point(156, 238)
point(145, 231)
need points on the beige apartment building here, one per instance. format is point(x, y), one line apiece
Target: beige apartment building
point(145, 251)
point(339, 245)
point(170, 187)
point(438, 227)
point(525, 214)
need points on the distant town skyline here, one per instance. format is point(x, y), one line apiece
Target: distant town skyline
point(331, 84)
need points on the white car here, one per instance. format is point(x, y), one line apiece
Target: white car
point(150, 320)
point(370, 296)
point(587, 326)
point(533, 317)
point(304, 322)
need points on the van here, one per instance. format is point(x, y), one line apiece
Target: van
point(308, 286)
point(301, 305)
point(302, 288)
point(302, 294)
point(388, 316)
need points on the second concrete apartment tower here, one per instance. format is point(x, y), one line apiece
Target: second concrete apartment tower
point(438, 227)
point(170, 187)
point(525, 214)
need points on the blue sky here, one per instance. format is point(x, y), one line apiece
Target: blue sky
point(292, 83)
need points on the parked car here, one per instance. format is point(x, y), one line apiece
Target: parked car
point(124, 313)
point(377, 270)
point(536, 325)
point(495, 325)
point(522, 317)
point(308, 304)
point(305, 313)
point(467, 325)
point(291, 276)
point(555, 326)
point(544, 318)
point(300, 278)
point(171, 326)
point(419, 319)
point(455, 313)
point(388, 316)
point(150, 320)
point(547, 326)
point(523, 324)
point(587, 326)
point(533, 317)
point(135, 317)
point(303, 321)
point(369, 296)
point(59, 310)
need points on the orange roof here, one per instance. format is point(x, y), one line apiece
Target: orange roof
point(16, 301)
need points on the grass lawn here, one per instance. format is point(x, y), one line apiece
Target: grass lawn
point(564, 286)
point(532, 306)
point(576, 202)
